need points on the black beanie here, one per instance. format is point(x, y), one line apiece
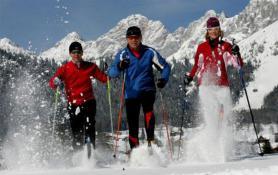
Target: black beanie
point(133, 30)
point(75, 46)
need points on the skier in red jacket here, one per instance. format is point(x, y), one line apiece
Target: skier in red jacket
point(77, 75)
point(211, 61)
point(213, 56)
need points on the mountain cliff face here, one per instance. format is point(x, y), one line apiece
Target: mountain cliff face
point(256, 16)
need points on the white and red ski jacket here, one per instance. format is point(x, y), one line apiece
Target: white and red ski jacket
point(211, 63)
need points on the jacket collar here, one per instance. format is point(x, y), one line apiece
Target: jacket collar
point(142, 49)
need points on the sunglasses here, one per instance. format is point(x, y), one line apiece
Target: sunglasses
point(76, 52)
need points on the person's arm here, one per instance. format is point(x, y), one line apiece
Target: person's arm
point(98, 74)
point(196, 65)
point(58, 76)
point(233, 56)
point(114, 70)
point(161, 64)
point(235, 51)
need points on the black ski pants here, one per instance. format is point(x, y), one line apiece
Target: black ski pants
point(82, 121)
point(133, 106)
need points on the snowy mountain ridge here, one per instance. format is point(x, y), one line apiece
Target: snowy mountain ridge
point(9, 46)
point(182, 42)
point(61, 49)
point(257, 15)
point(179, 44)
point(154, 34)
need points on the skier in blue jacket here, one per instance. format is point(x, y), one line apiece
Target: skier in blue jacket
point(136, 61)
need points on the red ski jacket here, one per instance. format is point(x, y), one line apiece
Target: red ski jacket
point(211, 63)
point(78, 80)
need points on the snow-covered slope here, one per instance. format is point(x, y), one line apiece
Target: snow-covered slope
point(9, 46)
point(266, 165)
point(261, 48)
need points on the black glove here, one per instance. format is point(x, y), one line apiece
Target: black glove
point(187, 80)
point(161, 83)
point(235, 50)
point(124, 64)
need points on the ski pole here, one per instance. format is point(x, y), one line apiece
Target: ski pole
point(110, 104)
point(248, 102)
point(165, 121)
point(251, 113)
point(57, 94)
point(120, 115)
point(184, 101)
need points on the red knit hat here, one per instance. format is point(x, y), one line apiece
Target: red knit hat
point(212, 22)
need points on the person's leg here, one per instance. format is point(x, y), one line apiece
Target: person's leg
point(76, 123)
point(228, 134)
point(89, 112)
point(147, 101)
point(132, 112)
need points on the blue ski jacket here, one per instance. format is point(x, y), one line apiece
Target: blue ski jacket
point(139, 76)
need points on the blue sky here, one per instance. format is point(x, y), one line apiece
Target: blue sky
point(41, 23)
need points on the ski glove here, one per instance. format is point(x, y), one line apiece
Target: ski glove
point(187, 80)
point(235, 50)
point(57, 82)
point(161, 83)
point(124, 64)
